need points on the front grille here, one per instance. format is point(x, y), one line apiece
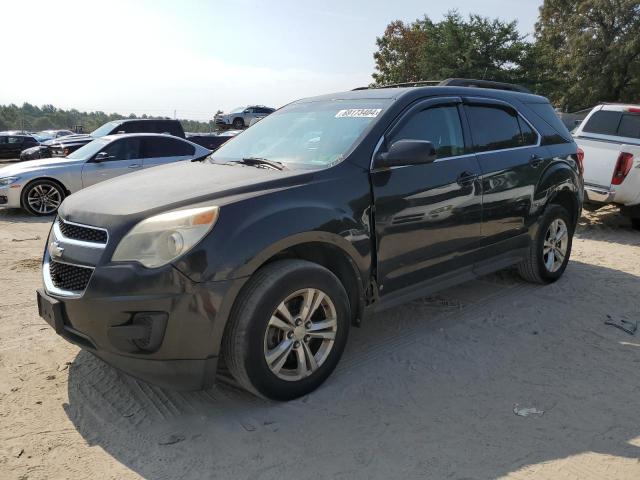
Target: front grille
point(85, 234)
point(69, 277)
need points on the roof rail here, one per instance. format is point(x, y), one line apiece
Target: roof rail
point(470, 82)
point(455, 82)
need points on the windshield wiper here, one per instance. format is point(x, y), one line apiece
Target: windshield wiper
point(257, 161)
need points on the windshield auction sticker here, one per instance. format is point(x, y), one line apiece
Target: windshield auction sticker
point(359, 113)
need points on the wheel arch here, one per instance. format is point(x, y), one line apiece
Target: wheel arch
point(66, 191)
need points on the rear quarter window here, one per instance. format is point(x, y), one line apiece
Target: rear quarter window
point(546, 112)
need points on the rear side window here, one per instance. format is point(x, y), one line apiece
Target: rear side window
point(496, 128)
point(439, 125)
point(603, 122)
point(629, 126)
point(546, 112)
point(157, 147)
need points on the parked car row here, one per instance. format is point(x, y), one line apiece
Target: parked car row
point(264, 253)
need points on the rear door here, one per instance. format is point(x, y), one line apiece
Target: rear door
point(427, 217)
point(511, 162)
point(4, 146)
point(158, 150)
point(124, 156)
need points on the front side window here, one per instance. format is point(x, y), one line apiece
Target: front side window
point(123, 149)
point(439, 125)
point(496, 128)
point(305, 135)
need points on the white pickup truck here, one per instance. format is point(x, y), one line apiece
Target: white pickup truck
point(609, 141)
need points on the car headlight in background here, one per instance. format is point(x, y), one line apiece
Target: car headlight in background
point(160, 239)
point(8, 181)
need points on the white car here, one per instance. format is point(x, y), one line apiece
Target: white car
point(40, 186)
point(609, 140)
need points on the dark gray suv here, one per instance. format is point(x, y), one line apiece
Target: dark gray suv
point(261, 256)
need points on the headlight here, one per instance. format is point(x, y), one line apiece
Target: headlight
point(8, 181)
point(158, 240)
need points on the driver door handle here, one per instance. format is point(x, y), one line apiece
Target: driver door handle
point(466, 178)
point(137, 165)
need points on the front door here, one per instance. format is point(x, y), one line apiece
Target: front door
point(123, 156)
point(427, 217)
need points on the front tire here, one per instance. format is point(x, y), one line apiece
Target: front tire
point(42, 197)
point(238, 123)
point(287, 330)
point(551, 248)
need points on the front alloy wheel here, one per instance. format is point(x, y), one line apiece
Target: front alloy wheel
point(287, 330)
point(300, 334)
point(42, 197)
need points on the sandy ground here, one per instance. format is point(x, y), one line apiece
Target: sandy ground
point(428, 390)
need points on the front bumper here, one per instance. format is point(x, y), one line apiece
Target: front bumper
point(10, 196)
point(101, 319)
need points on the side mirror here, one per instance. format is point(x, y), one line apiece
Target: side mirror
point(101, 157)
point(407, 152)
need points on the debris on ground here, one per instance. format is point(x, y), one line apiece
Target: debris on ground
point(17, 452)
point(527, 411)
point(171, 440)
point(25, 239)
point(628, 326)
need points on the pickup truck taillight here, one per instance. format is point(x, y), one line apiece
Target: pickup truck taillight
point(623, 167)
point(580, 161)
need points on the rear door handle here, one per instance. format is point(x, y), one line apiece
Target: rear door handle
point(535, 161)
point(466, 177)
point(135, 166)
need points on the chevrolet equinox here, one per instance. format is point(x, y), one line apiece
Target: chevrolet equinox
point(260, 256)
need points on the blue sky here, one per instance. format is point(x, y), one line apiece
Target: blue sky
point(195, 56)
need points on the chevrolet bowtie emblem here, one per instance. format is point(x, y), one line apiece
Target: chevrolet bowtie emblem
point(56, 250)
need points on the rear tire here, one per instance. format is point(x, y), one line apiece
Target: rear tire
point(284, 353)
point(635, 223)
point(551, 248)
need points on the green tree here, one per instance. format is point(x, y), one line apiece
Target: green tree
point(399, 51)
point(476, 47)
point(592, 50)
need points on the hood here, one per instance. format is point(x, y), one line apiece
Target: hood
point(129, 198)
point(40, 165)
point(72, 139)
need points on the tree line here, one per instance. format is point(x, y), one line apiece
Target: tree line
point(582, 51)
point(33, 118)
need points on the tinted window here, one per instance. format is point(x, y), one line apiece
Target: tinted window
point(166, 147)
point(15, 139)
point(3, 139)
point(493, 128)
point(172, 128)
point(548, 114)
point(529, 137)
point(439, 125)
point(124, 149)
point(629, 126)
point(603, 122)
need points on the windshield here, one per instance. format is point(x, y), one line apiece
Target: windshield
point(88, 150)
point(237, 110)
point(41, 137)
point(105, 129)
point(305, 135)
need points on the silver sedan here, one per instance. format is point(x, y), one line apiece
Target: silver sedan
point(40, 186)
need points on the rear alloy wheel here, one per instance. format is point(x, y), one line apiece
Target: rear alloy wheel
point(287, 330)
point(550, 249)
point(42, 197)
